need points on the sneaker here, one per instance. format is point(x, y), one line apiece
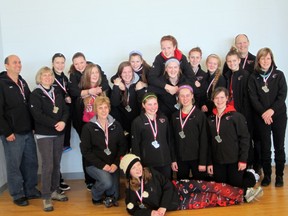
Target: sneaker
point(67, 149)
point(97, 202)
point(47, 205)
point(279, 181)
point(64, 187)
point(108, 202)
point(253, 194)
point(58, 196)
point(89, 186)
point(266, 181)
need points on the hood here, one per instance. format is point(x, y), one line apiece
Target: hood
point(228, 109)
point(4, 76)
point(111, 120)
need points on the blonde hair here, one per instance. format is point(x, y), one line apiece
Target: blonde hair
point(101, 99)
point(41, 71)
point(218, 71)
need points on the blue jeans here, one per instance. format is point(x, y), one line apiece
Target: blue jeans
point(106, 182)
point(50, 149)
point(21, 164)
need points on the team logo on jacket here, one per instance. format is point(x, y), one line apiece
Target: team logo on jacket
point(240, 77)
point(162, 120)
point(250, 61)
point(199, 78)
point(274, 76)
point(228, 118)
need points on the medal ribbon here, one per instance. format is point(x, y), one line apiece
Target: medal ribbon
point(152, 128)
point(210, 86)
point(140, 197)
point(106, 135)
point(265, 78)
point(62, 86)
point(48, 95)
point(245, 60)
point(180, 118)
point(218, 122)
point(21, 88)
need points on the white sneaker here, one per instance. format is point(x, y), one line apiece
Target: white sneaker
point(253, 194)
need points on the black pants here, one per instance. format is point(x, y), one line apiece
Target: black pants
point(278, 128)
point(229, 174)
point(184, 168)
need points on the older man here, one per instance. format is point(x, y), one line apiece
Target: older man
point(16, 134)
point(247, 59)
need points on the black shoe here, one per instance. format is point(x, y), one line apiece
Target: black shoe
point(97, 202)
point(108, 202)
point(21, 201)
point(89, 186)
point(266, 181)
point(279, 181)
point(115, 202)
point(34, 196)
point(64, 186)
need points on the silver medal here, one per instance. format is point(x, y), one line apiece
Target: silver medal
point(128, 108)
point(107, 151)
point(142, 206)
point(265, 88)
point(177, 106)
point(181, 134)
point(155, 144)
point(218, 138)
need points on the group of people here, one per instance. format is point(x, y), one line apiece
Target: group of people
point(180, 134)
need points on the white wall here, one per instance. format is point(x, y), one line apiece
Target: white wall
point(106, 31)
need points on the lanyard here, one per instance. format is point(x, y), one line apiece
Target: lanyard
point(62, 86)
point(180, 118)
point(21, 88)
point(218, 122)
point(48, 95)
point(265, 78)
point(210, 85)
point(106, 135)
point(140, 197)
point(244, 63)
point(154, 131)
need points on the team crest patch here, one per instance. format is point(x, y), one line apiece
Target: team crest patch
point(228, 117)
point(274, 76)
point(162, 120)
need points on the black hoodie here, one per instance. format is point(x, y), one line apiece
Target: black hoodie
point(14, 111)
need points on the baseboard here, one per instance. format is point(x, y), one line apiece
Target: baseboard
point(3, 188)
point(74, 175)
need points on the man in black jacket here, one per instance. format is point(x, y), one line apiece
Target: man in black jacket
point(16, 134)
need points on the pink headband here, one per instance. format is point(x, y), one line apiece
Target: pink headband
point(185, 87)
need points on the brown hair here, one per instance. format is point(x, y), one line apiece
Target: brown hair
point(124, 94)
point(233, 51)
point(134, 184)
point(195, 49)
point(170, 38)
point(76, 55)
point(146, 67)
point(85, 82)
point(218, 90)
point(263, 53)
